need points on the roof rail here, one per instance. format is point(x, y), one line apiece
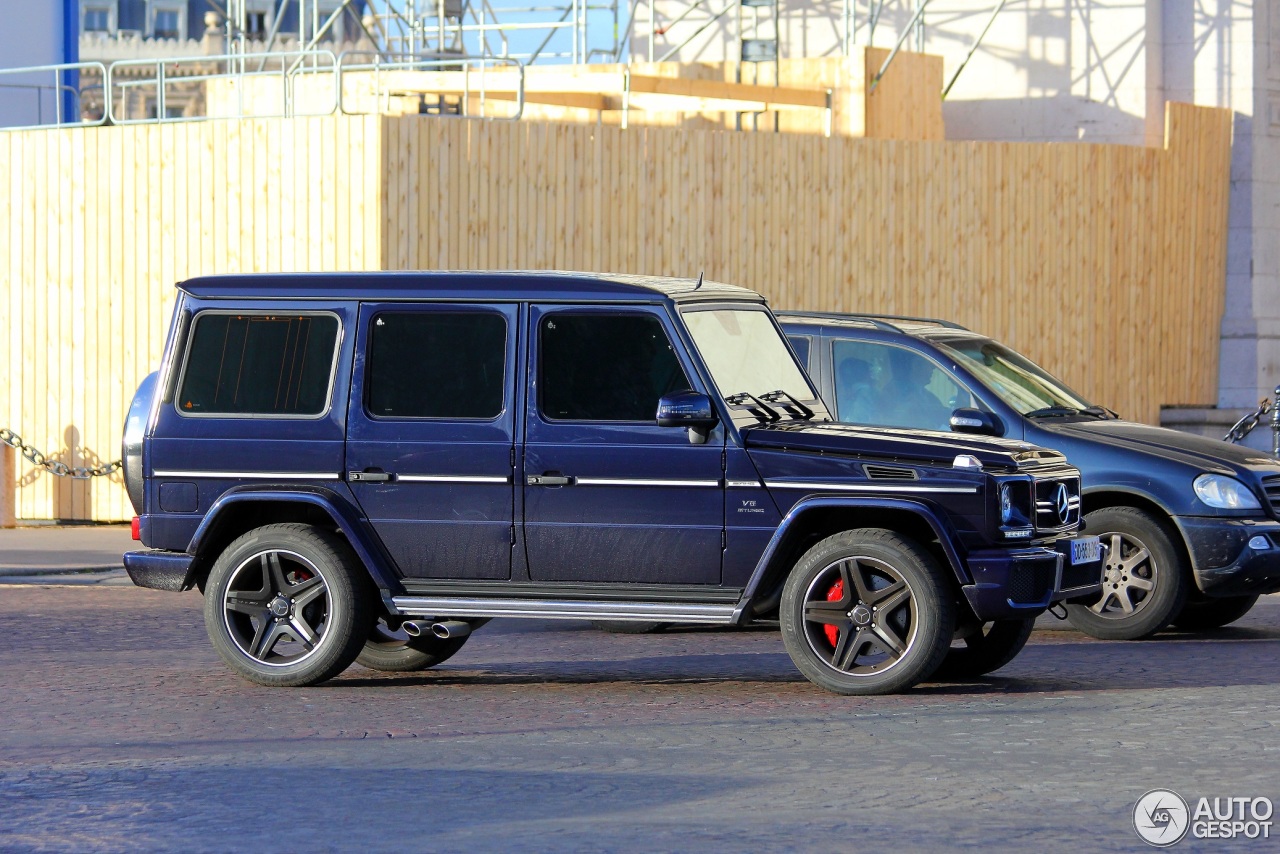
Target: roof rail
point(881, 321)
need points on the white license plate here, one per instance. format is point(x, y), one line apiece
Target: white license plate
point(1086, 550)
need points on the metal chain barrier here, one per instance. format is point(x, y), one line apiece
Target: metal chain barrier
point(55, 467)
point(1245, 425)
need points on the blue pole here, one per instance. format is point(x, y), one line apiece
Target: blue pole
point(70, 53)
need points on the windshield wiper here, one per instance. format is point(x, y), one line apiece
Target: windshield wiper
point(757, 407)
point(1100, 411)
point(795, 407)
point(1060, 411)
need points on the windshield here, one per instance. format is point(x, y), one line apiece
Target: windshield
point(745, 352)
point(1019, 382)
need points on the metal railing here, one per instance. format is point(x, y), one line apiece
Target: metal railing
point(472, 68)
point(57, 87)
point(236, 67)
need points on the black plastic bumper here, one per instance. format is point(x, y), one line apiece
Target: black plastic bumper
point(160, 570)
point(1024, 582)
point(1227, 558)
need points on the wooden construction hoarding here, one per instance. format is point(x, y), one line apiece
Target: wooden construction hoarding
point(1104, 263)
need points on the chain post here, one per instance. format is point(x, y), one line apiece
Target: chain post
point(8, 486)
point(1275, 424)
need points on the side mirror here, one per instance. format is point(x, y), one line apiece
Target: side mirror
point(976, 421)
point(689, 409)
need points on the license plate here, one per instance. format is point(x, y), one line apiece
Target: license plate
point(1086, 550)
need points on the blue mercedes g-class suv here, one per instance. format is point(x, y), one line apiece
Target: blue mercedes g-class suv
point(1192, 524)
point(367, 467)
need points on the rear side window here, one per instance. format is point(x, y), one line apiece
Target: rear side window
point(800, 343)
point(437, 364)
point(599, 367)
point(259, 364)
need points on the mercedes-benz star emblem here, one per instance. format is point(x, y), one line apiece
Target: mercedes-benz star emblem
point(1062, 503)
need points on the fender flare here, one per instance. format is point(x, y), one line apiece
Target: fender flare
point(363, 541)
point(941, 527)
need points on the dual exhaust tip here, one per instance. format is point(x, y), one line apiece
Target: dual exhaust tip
point(445, 629)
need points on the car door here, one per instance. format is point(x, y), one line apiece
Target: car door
point(430, 439)
point(608, 495)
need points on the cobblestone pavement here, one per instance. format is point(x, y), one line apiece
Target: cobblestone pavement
point(120, 729)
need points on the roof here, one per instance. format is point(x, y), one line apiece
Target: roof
point(886, 322)
point(543, 286)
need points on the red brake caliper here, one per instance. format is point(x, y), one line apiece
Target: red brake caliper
point(836, 592)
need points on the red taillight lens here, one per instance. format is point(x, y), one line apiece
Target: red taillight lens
point(136, 528)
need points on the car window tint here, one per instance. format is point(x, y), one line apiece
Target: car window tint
point(437, 364)
point(888, 386)
point(800, 343)
point(597, 367)
point(241, 364)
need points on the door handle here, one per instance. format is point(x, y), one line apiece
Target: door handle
point(369, 476)
point(549, 480)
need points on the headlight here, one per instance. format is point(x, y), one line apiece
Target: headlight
point(1225, 493)
point(1015, 505)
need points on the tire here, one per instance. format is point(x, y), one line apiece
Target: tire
point(990, 647)
point(625, 627)
point(393, 651)
point(1213, 613)
point(288, 605)
point(1145, 580)
point(866, 612)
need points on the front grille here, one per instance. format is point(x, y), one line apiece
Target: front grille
point(1080, 576)
point(1271, 486)
point(1057, 504)
point(1031, 583)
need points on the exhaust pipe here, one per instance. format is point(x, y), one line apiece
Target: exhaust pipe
point(449, 629)
point(416, 628)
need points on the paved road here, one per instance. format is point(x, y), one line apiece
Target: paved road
point(119, 729)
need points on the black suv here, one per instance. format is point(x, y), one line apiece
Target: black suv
point(1190, 523)
point(370, 466)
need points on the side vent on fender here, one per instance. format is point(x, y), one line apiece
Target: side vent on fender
point(875, 472)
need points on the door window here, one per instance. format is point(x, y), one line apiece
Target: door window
point(437, 364)
point(888, 386)
point(605, 367)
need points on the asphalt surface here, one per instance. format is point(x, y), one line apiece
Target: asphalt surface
point(121, 730)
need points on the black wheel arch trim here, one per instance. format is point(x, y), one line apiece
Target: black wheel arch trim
point(794, 519)
point(353, 527)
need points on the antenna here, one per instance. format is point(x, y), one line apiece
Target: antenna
point(701, 273)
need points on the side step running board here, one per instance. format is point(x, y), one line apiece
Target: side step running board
point(566, 609)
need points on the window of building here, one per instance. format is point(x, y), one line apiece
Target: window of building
point(167, 19)
point(98, 16)
point(242, 364)
point(255, 25)
point(437, 364)
point(601, 367)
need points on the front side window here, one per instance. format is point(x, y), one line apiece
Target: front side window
point(888, 386)
point(745, 352)
point(258, 364)
point(438, 364)
point(605, 367)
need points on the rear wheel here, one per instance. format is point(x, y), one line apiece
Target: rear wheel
point(1144, 582)
point(392, 650)
point(287, 605)
point(1213, 613)
point(985, 649)
point(866, 612)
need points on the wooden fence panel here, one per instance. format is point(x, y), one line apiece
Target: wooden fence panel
point(1104, 263)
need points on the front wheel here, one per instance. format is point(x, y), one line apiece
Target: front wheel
point(391, 650)
point(985, 649)
point(1213, 613)
point(287, 605)
point(866, 612)
point(1144, 582)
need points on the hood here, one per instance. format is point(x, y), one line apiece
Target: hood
point(920, 446)
point(1199, 452)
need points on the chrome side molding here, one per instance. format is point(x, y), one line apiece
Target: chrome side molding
point(566, 609)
